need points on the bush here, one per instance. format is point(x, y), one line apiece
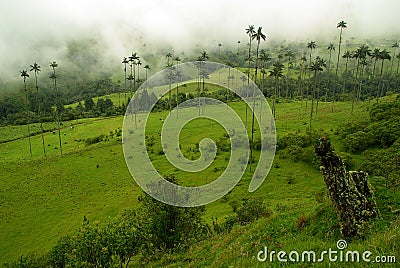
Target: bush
point(168, 227)
point(97, 139)
point(251, 210)
point(351, 127)
point(358, 141)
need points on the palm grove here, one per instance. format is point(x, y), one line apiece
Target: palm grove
point(307, 73)
point(286, 71)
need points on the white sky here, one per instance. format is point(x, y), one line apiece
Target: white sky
point(31, 28)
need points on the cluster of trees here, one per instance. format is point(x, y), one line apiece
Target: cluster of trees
point(36, 68)
point(47, 103)
point(364, 74)
point(378, 139)
point(133, 62)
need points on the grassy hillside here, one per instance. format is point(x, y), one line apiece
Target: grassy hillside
point(43, 199)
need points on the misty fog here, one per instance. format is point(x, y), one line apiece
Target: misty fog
point(42, 31)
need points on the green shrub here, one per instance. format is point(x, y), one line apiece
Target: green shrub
point(251, 210)
point(93, 140)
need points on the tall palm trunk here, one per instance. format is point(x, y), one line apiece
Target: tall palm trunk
point(287, 80)
point(198, 87)
point(274, 97)
point(355, 86)
point(345, 79)
point(131, 78)
point(254, 107)
point(337, 69)
point(40, 116)
point(373, 70)
point(177, 90)
point(125, 79)
point(248, 77)
point(28, 118)
point(329, 83)
point(309, 76)
point(312, 100)
point(360, 83)
point(57, 113)
point(301, 82)
point(338, 56)
point(398, 65)
point(262, 89)
point(378, 93)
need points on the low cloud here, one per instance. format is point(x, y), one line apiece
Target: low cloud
point(41, 30)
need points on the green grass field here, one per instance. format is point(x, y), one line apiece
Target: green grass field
point(44, 199)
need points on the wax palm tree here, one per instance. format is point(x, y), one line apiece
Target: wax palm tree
point(202, 72)
point(250, 32)
point(331, 48)
point(238, 44)
point(357, 55)
point(398, 63)
point(53, 76)
point(24, 75)
point(342, 25)
point(36, 68)
point(259, 35)
point(363, 64)
point(311, 45)
point(316, 66)
point(322, 63)
point(229, 78)
point(276, 72)
point(132, 76)
point(360, 54)
point(136, 79)
point(219, 49)
point(168, 56)
point(138, 64)
point(303, 68)
point(203, 57)
point(147, 68)
point(177, 60)
point(385, 55)
point(169, 68)
point(264, 57)
point(290, 55)
point(375, 55)
point(124, 62)
point(395, 45)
